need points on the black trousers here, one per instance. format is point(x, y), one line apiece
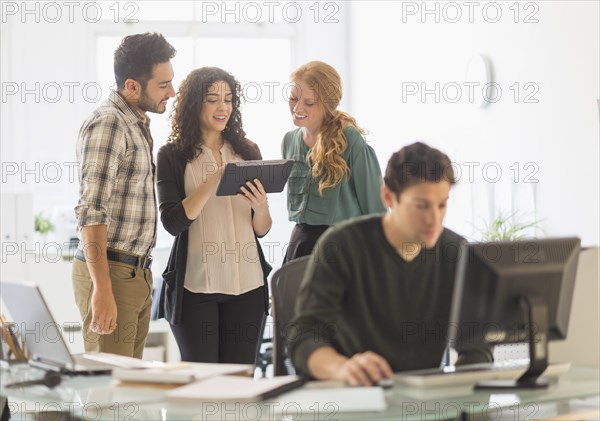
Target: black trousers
point(303, 240)
point(220, 328)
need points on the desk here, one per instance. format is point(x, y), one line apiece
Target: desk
point(97, 398)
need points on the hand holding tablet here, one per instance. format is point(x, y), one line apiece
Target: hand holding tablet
point(272, 174)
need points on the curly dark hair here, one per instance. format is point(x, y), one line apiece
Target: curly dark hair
point(186, 133)
point(137, 55)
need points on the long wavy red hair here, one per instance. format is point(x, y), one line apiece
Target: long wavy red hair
point(327, 164)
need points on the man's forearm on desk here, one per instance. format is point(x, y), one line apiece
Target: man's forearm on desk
point(325, 363)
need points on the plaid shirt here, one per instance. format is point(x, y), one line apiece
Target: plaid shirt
point(116, 176)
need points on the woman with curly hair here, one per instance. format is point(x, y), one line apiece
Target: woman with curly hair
point(213, 293)
point(336, 175)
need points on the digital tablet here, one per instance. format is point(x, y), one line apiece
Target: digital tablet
point(273, 175)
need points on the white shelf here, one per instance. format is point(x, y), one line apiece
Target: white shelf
point(160, 335)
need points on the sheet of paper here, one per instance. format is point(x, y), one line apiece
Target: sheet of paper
point(333, 400)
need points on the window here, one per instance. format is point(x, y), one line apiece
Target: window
point(261, 60)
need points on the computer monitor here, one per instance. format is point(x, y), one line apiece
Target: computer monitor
point(508, 292)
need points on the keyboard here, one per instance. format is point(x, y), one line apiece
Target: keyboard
point(471, 374)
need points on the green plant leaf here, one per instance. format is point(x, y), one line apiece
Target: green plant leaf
point(502, 229)
point(42, 224)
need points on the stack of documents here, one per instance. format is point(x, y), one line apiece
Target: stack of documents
point(179, 373)
point(122, 361)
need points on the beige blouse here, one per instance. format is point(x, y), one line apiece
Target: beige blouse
point(222, 255)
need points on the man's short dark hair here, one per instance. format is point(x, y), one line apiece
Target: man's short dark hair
point(138, 54)
point(415, 164)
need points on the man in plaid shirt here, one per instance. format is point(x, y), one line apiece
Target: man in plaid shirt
point(117, 212)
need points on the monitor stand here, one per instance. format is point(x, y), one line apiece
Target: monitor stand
point(536, 319)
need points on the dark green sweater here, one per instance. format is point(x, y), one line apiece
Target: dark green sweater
point(357, 196)
point(358, 294)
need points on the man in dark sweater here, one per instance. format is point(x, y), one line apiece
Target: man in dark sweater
point(376, 295)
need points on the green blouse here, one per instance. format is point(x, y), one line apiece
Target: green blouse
point(357, 196)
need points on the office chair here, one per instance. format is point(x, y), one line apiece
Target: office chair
point(284, 286)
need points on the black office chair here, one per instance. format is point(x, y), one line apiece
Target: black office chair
point(284, 287)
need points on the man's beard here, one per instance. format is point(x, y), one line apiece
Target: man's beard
point(145, 104)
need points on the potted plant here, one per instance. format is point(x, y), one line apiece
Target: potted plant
point(43, 226)
point(506, 227)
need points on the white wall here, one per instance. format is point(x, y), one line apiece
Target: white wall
point(559, 55)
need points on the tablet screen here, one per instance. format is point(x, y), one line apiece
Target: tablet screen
point(273, 175)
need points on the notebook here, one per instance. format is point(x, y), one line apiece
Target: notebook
point(235, 388)
point(43, 336)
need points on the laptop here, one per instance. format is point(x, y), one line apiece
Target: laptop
point(43, 337)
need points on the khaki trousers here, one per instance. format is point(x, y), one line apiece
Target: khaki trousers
point(132, 288)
